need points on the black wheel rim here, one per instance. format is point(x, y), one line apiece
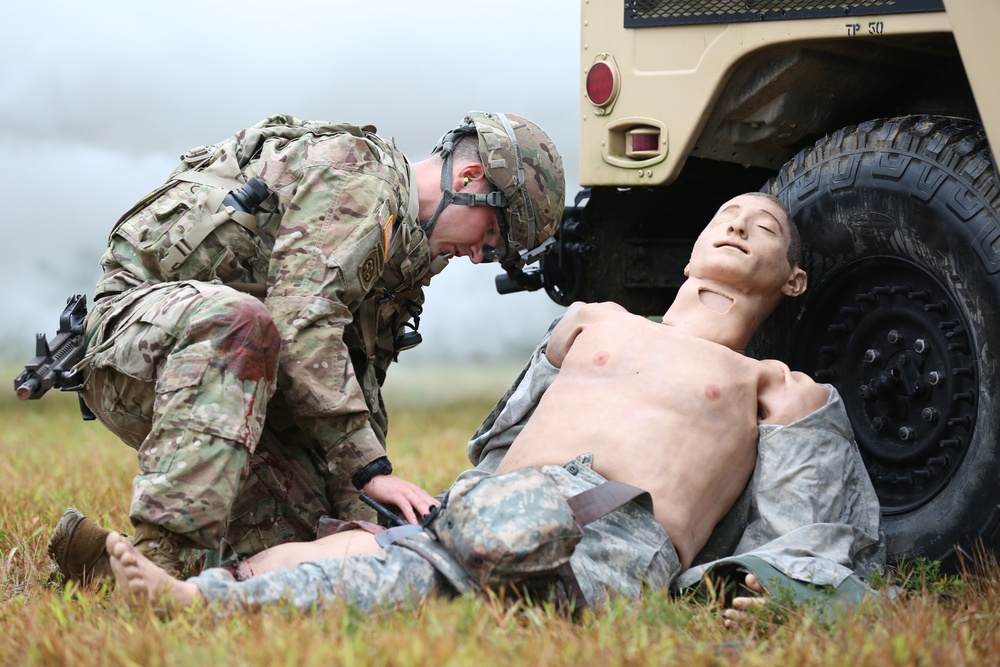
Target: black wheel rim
point(895, 344)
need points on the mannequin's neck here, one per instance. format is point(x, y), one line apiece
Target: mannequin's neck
point(718, 313)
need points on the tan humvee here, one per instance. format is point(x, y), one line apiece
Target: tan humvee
point(867, 118)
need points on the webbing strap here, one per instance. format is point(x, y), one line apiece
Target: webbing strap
point(589, 506)
point(258, 290)
point(522, 187)
point(209, 179)
point(573, 589)
point(594, 503)
point(221, 186)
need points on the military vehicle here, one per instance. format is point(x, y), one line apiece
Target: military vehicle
point(869, 118)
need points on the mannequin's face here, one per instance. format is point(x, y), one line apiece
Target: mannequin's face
point(745, 245)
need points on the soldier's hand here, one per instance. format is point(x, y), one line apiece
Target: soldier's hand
point(413, 501)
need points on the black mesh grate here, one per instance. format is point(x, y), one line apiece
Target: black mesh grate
point(641, 13)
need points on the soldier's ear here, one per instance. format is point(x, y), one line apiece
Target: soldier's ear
point(796, 283)
point(469, 170)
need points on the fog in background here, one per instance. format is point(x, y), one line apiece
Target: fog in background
point(98, 100)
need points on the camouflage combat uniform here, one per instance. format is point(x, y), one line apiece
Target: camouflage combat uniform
point(242, 355)
point(618, 555)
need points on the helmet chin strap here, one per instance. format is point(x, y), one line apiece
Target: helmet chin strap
point(448, 196)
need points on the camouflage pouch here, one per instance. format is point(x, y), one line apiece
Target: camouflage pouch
point(499, 531)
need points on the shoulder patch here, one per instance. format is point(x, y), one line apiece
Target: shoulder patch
point(371, 267)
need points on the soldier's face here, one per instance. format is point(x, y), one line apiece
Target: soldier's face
point(746, 245)
point(462, 231)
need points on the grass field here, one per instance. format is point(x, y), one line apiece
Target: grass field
point(50, 459)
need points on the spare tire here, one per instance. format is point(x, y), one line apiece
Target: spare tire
point(899, 222)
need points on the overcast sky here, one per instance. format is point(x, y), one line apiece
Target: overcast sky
point(98, 100)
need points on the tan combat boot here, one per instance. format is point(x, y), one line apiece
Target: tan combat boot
point(77, 547)
point(163, 548)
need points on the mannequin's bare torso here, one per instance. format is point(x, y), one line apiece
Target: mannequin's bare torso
point(661, 409)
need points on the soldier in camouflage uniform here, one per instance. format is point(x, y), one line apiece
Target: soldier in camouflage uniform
point(251, 306)
point(740, 457)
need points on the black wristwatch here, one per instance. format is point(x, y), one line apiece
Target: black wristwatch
point(380, 466)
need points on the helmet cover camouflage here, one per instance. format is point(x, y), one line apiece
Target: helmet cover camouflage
point(527, 183)
point(522, 162)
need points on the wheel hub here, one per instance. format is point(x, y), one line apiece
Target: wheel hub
point(896, 346)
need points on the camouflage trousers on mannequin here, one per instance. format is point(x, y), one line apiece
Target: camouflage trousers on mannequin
point(620, 554)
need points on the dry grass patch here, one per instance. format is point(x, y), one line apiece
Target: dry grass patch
point(49, 459)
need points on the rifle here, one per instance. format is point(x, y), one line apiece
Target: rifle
point(53, 365)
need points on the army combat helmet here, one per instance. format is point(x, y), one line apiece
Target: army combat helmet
point(527, 184)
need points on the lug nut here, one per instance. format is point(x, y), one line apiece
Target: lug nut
point(920, 346)
point(929, 414)
point(934, 378)
point(872, 355)
point(895, 336)
point(905, 433)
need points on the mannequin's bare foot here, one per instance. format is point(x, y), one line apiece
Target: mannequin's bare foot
point(739, 613)
point(143, 582)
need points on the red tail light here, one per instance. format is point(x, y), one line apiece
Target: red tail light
point(645, 142)
point(642, 143)
point(600, 83)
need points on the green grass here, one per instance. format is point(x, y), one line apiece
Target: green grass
point(49, 459)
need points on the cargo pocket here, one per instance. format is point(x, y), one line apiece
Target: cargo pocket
point(177, 395)
point(180, 373)
point(215, 402)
